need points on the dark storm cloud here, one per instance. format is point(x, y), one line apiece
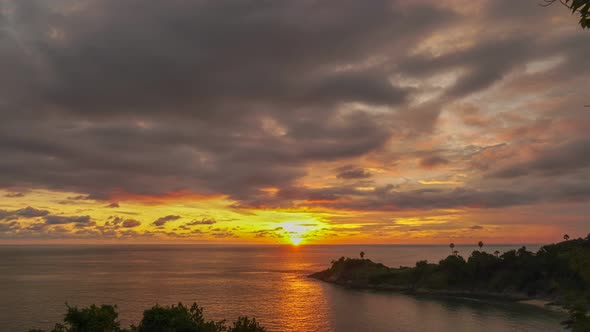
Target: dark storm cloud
point(228, 97)
point(391, 198)
point(427, 199)
point(351, 172)
point(433, 161)
point(203, 53)
point(130, 223)
point(554, 161)
point(27, 212)
point(163, 220)
point(483, 64)
point(8, 227)
point(58, 220)
point(204, 221)
point(224, 95)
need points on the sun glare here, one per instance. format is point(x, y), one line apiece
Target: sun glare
point(295, 240)
point(295, 233)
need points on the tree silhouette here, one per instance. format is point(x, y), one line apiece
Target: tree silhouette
point(157, 319)
point(561, 269)
point(480, 245)
point(566, 237)
point(581, 7)
point(362, 254)
point(455, 253)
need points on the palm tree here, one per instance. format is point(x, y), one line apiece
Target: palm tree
point(497, 253)
point(452, 246)
point(566, 237)
point(480, 245)
point(362, 254)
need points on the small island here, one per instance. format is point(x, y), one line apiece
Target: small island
point(557, 274)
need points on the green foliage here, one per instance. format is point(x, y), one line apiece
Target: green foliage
point(583, 8)
point(580, 7)
point(579, 320)
point(359, 270)
point(244, 324)
point(92, 318)
point(179, 318)
point(558, 271)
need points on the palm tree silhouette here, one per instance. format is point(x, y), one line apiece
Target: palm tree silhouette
point(566, 237)
point(452, 246)
point(480, 245)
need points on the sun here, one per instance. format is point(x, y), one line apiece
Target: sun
point(295, 240)
point(295, 233)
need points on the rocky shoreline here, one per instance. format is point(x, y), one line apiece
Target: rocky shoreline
point(547, 303)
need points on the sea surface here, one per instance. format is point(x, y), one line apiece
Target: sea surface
point(267, 282)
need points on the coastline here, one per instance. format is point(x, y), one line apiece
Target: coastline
point(549, 304)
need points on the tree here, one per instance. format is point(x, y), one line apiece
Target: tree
point(92, 318)
point(581, 7)
point(566, 237)
point(179, 318)
point(244, 324)
point(176, 318)
point(452, 246)
point(480, 245)
point(362, 254)
point(497, 253)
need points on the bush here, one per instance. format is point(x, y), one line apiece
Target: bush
point(179, 318)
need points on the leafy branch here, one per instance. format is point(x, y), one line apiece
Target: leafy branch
point(581, 7)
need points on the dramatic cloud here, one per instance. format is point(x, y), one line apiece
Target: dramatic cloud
point(433, 161)
point(204, 221)
point(58, 220)
point(14, 195)
point(130, 223)
point(350, 172)
point(554, 161)
point(163, 220)
point(355, 112)
point(27, 212)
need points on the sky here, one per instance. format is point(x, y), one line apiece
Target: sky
point(293, 121)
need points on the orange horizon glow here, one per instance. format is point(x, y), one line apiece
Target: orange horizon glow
point(266, 226)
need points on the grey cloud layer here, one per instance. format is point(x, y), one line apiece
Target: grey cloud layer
point(163, 220)
point(27, 212)
point(232, 95)
point(109, 98)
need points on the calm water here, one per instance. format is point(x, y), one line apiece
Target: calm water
point(267, 282)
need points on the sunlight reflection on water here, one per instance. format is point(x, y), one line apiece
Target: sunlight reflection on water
point(267, 282)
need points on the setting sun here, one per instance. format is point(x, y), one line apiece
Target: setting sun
point(295, 240)
point(295, 232)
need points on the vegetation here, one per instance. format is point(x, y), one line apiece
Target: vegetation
point(580, 7)
point(559, 273)
point(178, 318)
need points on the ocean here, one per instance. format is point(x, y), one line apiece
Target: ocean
point(266, 282)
